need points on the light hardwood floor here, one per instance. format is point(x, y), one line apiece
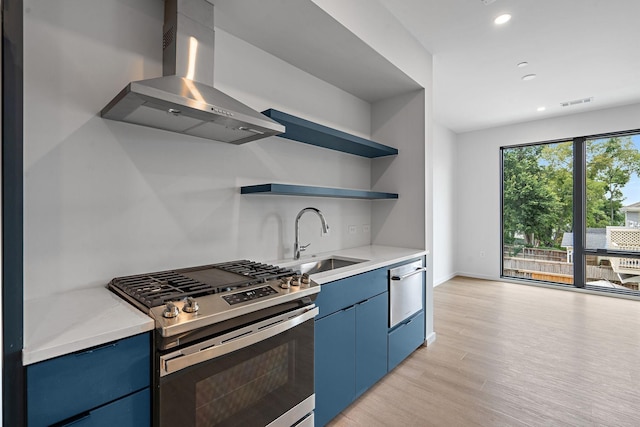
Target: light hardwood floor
point(514, 355)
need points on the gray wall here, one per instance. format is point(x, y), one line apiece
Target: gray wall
point(105, 198)
point(397, 122)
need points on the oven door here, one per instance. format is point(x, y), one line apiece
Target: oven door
point(258, 375)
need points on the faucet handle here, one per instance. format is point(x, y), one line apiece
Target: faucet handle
point(304, 247)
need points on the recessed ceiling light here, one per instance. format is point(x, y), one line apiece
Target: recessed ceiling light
point(542, 108)
point(523, 64)
point(502, 19)
point(529, 77)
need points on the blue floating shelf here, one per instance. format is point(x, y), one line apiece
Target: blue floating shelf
point(304, 190)
point(308, 132)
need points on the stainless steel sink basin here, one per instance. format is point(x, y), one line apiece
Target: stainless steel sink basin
point(326, 264)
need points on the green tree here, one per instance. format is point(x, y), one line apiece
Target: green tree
point(559, 170)
point(530, 206)
point(611, 163)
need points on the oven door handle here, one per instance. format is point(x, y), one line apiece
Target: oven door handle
point(233, 341)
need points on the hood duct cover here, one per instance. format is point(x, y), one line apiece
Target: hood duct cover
point(183, 100)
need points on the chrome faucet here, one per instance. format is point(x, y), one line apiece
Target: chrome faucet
point(297, 248)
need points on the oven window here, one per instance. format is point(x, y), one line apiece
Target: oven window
point(222, 395)
point(251, 386)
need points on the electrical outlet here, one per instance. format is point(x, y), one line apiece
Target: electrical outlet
point(366, 228)
point(353, 229)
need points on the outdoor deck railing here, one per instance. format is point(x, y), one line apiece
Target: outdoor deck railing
point(624, 239)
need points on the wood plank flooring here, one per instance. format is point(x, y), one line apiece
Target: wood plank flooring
point(514, 355)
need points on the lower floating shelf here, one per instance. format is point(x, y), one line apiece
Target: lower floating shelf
point(304, 190)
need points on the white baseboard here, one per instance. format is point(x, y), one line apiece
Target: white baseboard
point(430, 339)
point(445, 279)
point(478, 276)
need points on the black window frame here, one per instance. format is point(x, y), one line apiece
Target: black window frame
point(579, 212)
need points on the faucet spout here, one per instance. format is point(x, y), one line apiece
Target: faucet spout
point(297, 248)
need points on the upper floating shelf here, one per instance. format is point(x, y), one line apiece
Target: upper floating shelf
point(308, 132)
point(305, 190)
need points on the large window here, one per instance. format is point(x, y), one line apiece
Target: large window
point(571, 212)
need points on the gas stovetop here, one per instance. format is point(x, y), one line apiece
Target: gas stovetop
point(154, 289)
point(185, 299)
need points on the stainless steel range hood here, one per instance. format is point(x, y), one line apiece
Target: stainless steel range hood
point(184, 100)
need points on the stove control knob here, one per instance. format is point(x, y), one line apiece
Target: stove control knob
point(295, 281)
point(190, 306)
point(305, 279)
point(285, 282)
point(170, 311)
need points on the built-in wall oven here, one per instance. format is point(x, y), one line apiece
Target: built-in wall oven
point(239, 354)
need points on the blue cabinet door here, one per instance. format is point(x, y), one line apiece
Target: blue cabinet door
point(334, 364)
point(371, 341)
point(405, 338)
point(66, 386)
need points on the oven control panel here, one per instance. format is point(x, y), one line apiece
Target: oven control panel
point(250, 295)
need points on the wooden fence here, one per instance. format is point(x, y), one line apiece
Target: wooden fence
point(535, 253)
point(553, 271)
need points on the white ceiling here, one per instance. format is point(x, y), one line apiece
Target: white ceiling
point(577, 48)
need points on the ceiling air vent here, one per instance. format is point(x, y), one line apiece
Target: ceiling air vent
point(576, 102)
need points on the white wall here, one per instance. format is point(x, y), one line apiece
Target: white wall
point(445, 173)
point(105, 198)
point(478, 185)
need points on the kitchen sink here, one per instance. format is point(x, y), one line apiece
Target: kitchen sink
point(325, 264)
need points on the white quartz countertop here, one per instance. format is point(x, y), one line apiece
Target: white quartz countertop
point(72, 321)
point(372, 257)
point(67, 322)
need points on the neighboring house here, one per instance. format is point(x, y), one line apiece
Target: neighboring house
point(632, 215)
point(595, 238)
point(616, 238)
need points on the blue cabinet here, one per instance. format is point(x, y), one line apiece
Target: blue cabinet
point(405, 338)
point(334, 364)
point(99, 382)
point(350, 341)
point(354, 347)
point(130, 411)
point(371, 342)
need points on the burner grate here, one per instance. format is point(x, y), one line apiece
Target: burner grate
point(158, 288)
point(154, 289)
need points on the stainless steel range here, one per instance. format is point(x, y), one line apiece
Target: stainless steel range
point(233, 343)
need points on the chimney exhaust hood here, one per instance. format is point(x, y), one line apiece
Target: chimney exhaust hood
point(183, 100)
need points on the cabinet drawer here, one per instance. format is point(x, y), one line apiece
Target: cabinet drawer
point(131, 411)
point(405, 338)
point(69, 385)
point(342, 293)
